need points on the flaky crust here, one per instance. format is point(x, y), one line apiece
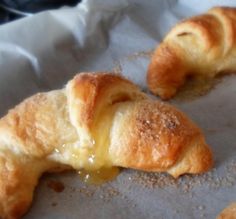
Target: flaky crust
point(156, 139)
point(98, 120)
point(229, 212)
point(203, 46)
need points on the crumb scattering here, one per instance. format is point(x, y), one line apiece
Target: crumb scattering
point(187, 183)
point(57, 186)
point(196, 87)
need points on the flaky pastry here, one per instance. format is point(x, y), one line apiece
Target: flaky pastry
point(98, 120)
point(202, 46)
point(229, 212)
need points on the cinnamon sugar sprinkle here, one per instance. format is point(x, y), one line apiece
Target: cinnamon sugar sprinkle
point(146, 54)
point(132, 57)
point(194, 88)
point(106, 192)
point(117, 68)
point(187, 183)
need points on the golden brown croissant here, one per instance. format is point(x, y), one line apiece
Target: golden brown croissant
point(202, 46)
point(229, 212)
point(98, 120)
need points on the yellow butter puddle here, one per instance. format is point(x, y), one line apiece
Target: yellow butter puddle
point(99, 176)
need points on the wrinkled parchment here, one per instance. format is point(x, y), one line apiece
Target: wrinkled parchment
point(42, 52)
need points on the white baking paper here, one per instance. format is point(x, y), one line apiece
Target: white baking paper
point(42, 52)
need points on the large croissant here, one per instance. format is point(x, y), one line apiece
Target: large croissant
point(98, 120)
point(202, 46)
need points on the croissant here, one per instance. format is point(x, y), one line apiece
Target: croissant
point(229, 212)
point(97, 120)
point(202, 46)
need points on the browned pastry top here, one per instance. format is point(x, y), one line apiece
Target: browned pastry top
point(98, 121)
point(201, 46)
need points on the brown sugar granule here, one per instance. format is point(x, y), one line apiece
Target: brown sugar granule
point(88, 192)
point(147, 54)
point(104, 191)
point(57, 186)
point(152, 180)
point(109, 193)
point(117, 66)
point(196, 87)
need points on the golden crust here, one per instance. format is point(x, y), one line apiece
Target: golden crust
point(157, 138)
point(18, 178)
point(34, 126)
point(28, 134)
point(91, 89)
point(99, 120)
point(229, 212)
point(203, 46)
point(95, 92)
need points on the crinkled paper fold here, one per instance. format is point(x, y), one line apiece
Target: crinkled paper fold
point(43, 52)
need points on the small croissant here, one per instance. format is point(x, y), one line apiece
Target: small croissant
point(100, 116)
point(202, 46)
point(229, 212)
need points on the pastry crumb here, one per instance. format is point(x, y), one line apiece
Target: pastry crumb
point(56, 186)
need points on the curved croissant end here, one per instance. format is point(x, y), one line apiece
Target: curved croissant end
point(90, 93)
point(202, 46)
point(157, 137)
point(53, 131)
point(229, 212)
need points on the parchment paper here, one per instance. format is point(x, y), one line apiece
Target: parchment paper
point(42, 52)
